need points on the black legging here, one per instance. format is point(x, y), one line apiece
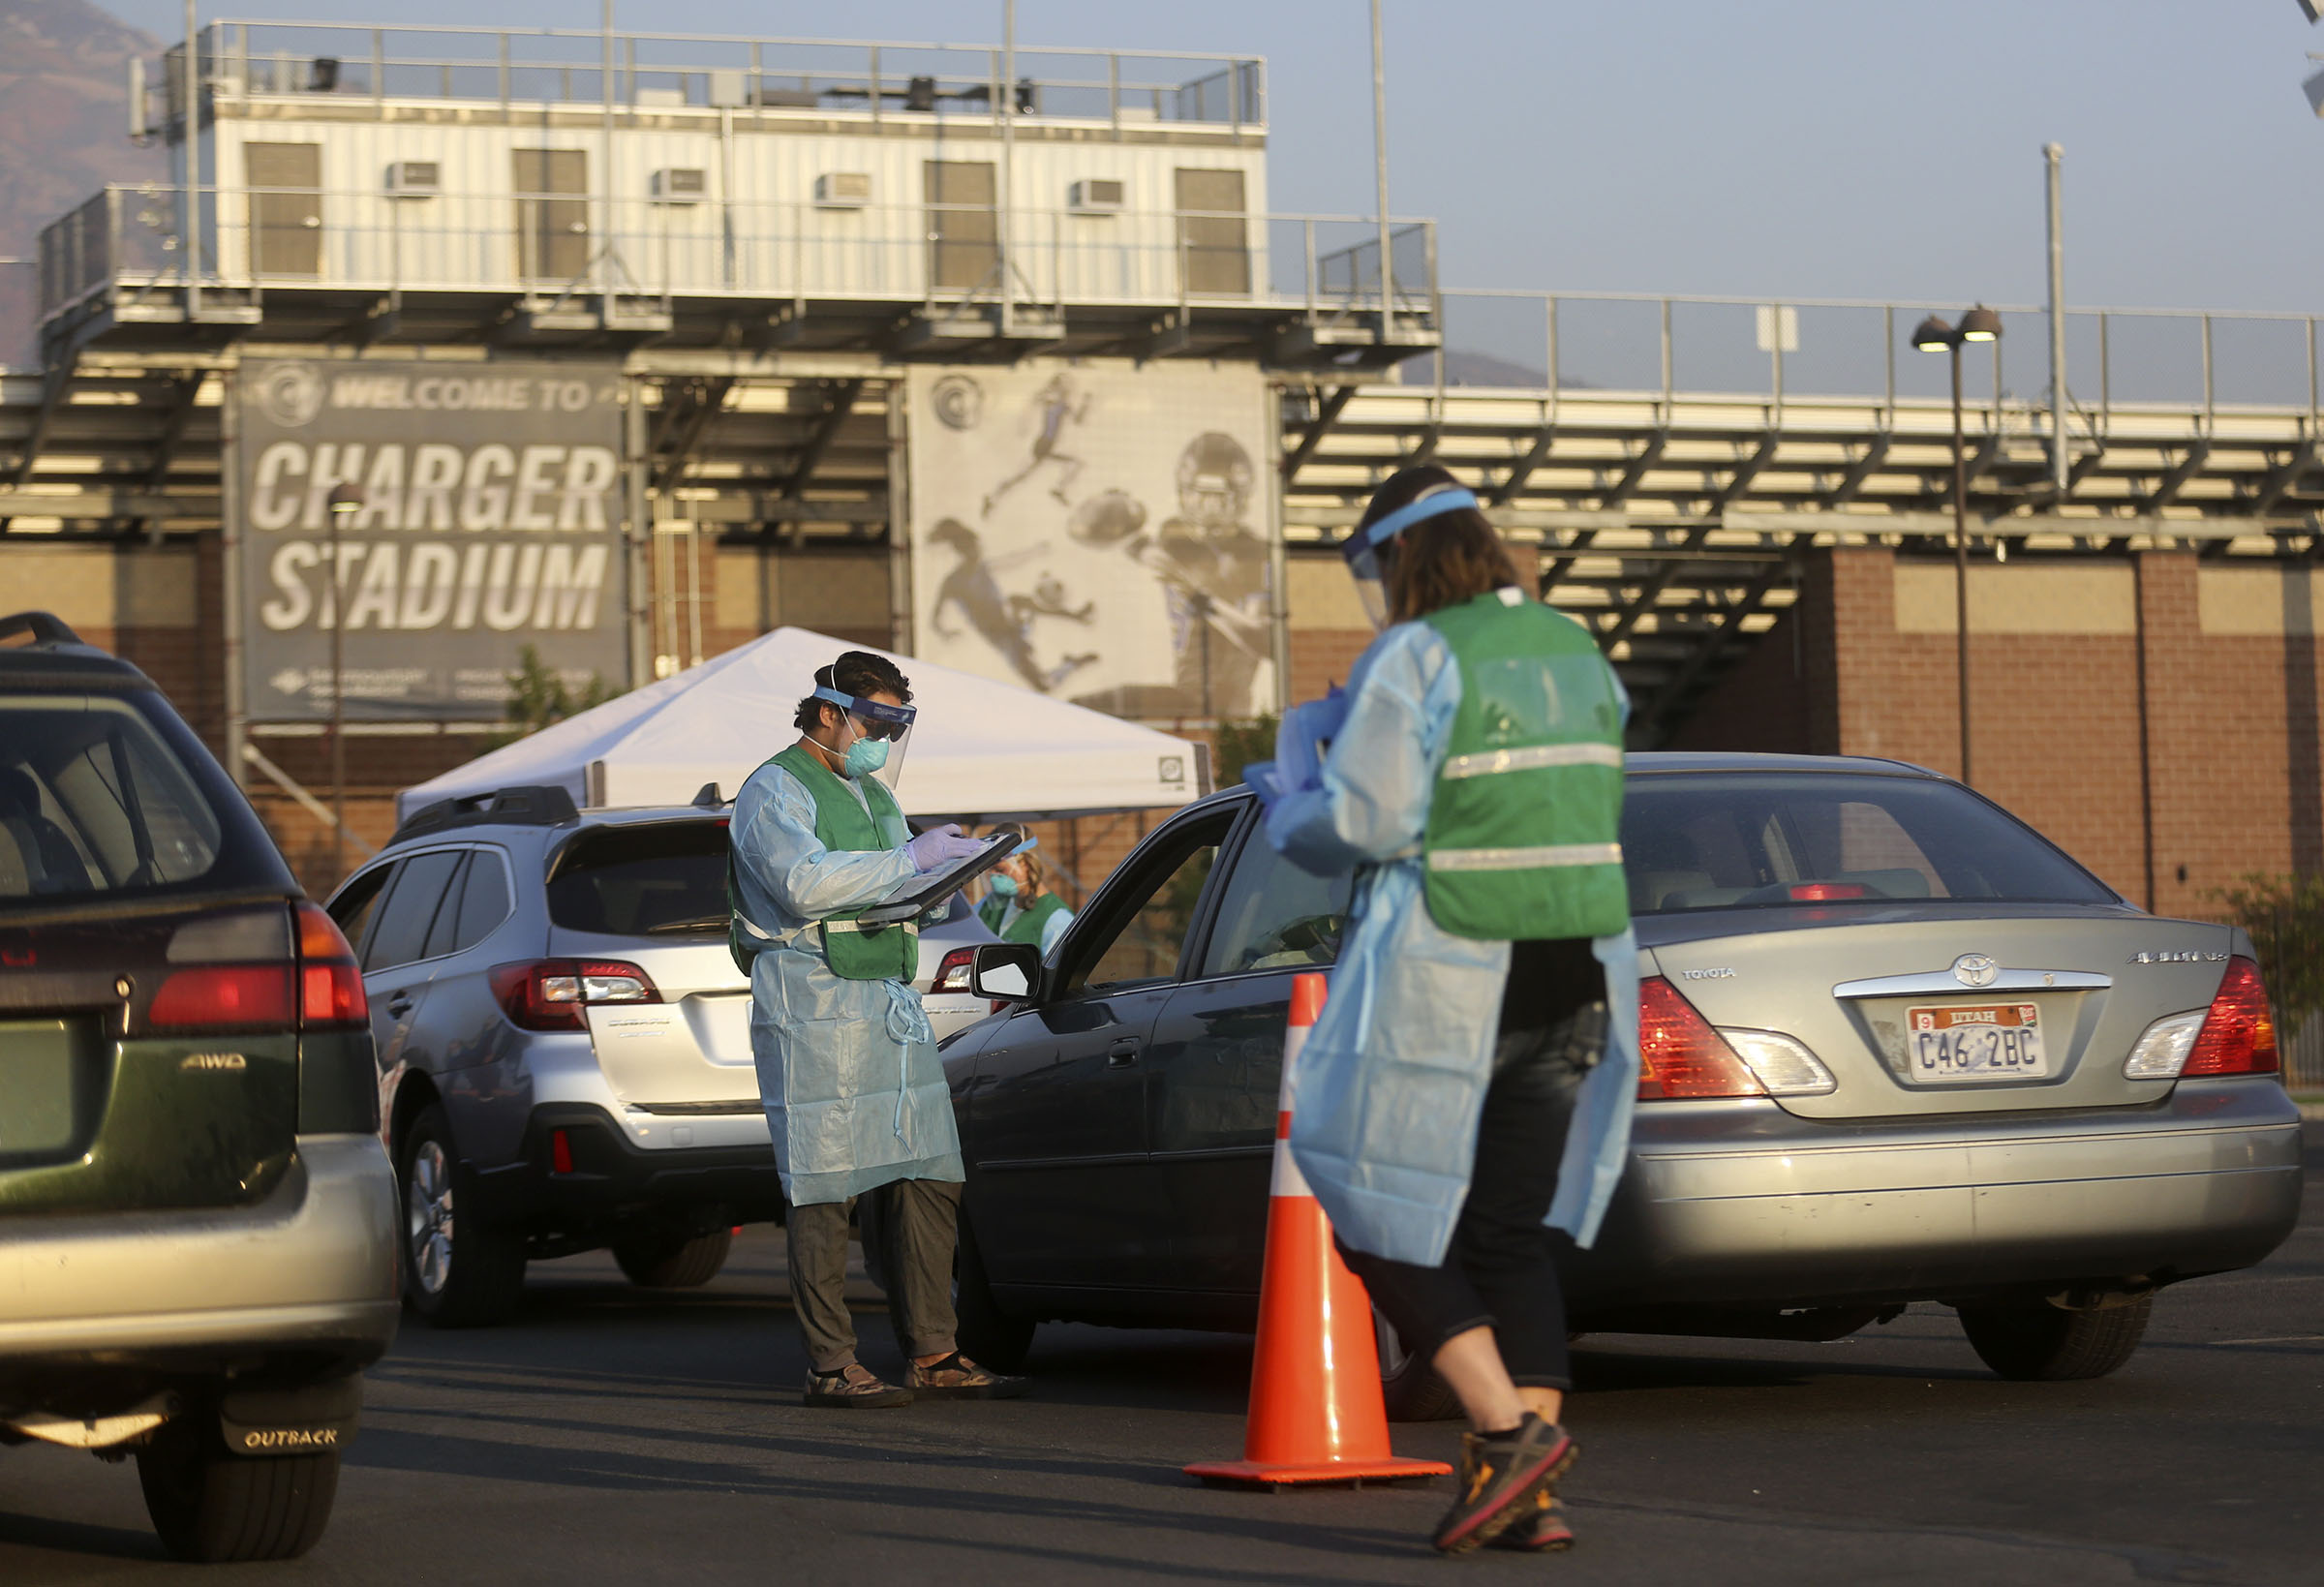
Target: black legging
point(1501, 1270)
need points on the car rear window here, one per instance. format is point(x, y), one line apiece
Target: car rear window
point(106, 797)
point(664, 880)
point(1751, 840)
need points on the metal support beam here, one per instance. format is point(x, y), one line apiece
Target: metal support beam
point(1876, 454)
point(182, 392)
point(1651, 592)
point(2283, 477)
point(1564, 565)
point(1747, 470)
point(1731, 624)
point(1523, 469)
point(1648, 456)
point(818, 441)
point(680, 427)
point(2176, 480)
point(52, 397)
point(1317, 427)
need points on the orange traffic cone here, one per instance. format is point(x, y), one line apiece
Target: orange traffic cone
point(1316, 1413)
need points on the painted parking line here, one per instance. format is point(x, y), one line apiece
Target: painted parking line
point(2276, 1339)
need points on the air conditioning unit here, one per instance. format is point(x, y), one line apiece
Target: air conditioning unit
point(1099, 195)
point(843, 190)
point(680, 185)
point(415, 179)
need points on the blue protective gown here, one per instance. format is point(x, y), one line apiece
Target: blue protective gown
point(1388, 1090)
point(854, 1094)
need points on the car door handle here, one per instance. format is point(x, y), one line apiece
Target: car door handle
point(1124, 1051)
point(399, 1006)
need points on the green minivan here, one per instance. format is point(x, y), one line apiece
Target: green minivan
point(198, 1241)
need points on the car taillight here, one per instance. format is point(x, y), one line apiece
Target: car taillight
point(330, 986)
point(1680, 1054)
point(224, 998)
point(550, 994)
point(231, 972)
point(2239, 1033)
point(1826, 892)
point(952, 975)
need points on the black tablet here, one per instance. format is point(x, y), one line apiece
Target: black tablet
point(918, 895)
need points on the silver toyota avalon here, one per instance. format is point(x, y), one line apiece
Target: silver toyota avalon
point(1898, 1047)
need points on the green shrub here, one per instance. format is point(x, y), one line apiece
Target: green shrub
point(1237, 744)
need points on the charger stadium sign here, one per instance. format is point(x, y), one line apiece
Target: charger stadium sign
point(480, 513)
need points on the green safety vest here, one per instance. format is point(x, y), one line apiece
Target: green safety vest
point(855, 953)
point(1027, 926)
point(1525, 822)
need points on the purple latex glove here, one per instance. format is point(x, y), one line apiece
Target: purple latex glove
point(940, 846)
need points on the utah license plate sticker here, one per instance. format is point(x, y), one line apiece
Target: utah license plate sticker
point(1975, 1042)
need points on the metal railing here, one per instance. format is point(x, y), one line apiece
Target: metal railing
point(671, 71)
point(1763, 350)
point(126, 238)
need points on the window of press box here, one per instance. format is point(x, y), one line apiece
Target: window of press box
point(1748, 839)
point(668, 878)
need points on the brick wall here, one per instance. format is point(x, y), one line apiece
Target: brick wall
point(1866, 664)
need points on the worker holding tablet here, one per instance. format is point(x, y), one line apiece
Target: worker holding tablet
point(855, 1098)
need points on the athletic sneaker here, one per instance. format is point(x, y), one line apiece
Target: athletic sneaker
point(1501, 1473)
point(853, 1387)
point(957, 1377)
point(1542, 1532)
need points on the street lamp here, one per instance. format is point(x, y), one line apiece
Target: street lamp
point(346, 502)
point(1934, 335)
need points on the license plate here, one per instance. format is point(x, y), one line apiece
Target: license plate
point(1975, 1042)
point(37, 1082)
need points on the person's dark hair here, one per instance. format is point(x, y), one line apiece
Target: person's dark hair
point(1438, 561)
point(858, 673)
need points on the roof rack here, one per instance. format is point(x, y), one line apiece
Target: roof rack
point(532, 804)
point(45, 628)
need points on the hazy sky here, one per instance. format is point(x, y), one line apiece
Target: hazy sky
point(1859, 148)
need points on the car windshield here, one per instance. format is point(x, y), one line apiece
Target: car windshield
point(1749, 839)
point(107, 796)
point(665, 879)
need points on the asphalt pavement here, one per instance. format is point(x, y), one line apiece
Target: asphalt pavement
point(611, 1435)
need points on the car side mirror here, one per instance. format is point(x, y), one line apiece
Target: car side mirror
point(1005, 970)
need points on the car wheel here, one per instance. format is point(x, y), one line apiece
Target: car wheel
point(2037, 1342)
point(1408, 1384)
point(654, 1259)
point(988, 1335)
point(211, 1506)
point(456, 1273)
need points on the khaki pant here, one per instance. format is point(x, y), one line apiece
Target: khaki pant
point(918, 1227)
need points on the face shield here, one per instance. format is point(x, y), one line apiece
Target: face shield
point(872, 737)
point(1363, 549)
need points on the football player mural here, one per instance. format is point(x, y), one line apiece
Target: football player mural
point(1096, 534)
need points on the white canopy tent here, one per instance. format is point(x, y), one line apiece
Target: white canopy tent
point(978, 748)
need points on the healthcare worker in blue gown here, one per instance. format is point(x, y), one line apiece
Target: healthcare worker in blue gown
point(847, 1068)
point(1483, 1012)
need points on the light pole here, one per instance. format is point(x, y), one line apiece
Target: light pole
point(1934, 335)
point(346, 502)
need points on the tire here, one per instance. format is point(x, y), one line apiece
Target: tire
point(1408, 1384)
point(2037, 1342)
point(455, 1275)
point(212, 1507)
point(988, 1335)
point(654, 1259)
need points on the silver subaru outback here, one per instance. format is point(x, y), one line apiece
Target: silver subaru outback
point(564, 1042)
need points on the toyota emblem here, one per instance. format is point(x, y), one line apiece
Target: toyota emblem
point(1976, 970)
